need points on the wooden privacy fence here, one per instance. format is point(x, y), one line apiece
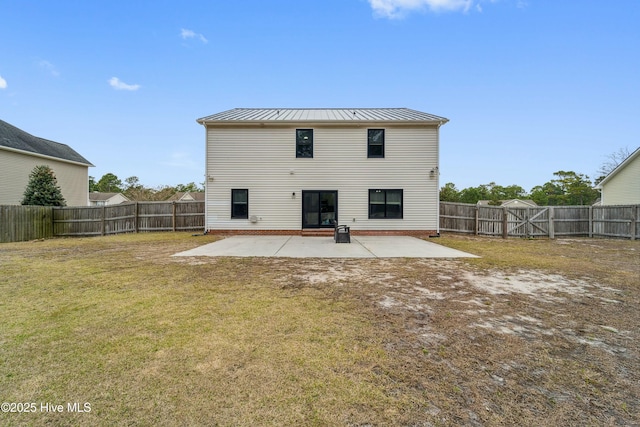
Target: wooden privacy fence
point(128, 218)
point(20, 223)
point(542, 221)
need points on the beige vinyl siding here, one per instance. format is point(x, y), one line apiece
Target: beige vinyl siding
point(624, 187)
point(262, 159)
point(15, 168)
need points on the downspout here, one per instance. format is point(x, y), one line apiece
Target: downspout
point(206, 178)
point(438, 180)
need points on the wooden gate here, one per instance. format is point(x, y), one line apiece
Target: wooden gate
point(527, 222)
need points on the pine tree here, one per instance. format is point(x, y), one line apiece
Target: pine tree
point(42, 189)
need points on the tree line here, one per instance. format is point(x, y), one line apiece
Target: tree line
point(134, 190)
point(568, 188)
point(43, 189)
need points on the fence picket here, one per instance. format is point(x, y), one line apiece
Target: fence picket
point(21, 223)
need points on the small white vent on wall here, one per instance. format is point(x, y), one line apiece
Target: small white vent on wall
point(253, 219)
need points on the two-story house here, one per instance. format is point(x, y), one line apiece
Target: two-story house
point(299, 171)
point(20, 152)
point(622, 185)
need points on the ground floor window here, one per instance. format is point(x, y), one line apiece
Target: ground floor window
point(385, 204)
point(239, 204)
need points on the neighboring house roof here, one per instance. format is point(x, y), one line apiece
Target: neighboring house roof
point(322, 115)
point(188, 195)
point(98, 197)
point(16, 139)
point(530, 203)
point(620, 167)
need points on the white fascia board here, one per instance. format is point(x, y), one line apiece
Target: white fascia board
point(43, 156)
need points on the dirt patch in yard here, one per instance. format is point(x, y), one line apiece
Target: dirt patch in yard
point(488, 345)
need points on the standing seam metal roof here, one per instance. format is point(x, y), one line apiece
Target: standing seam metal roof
point(248, 115)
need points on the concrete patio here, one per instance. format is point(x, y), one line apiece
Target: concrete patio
point(325, 247)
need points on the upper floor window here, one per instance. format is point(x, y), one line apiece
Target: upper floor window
point(375, 143)
point(304, 142)
point(385, 204)
point(240, 204)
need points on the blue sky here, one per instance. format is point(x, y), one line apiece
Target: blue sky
point(530, 86)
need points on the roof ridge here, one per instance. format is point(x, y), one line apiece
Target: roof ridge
point(325, 114)
point(321, 108)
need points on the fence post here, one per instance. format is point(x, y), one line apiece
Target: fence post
point(135, 217)
point(590, 221)
point(632, 225)
point(173, 216)
point(637, 219)
point(505, 223)
point(552, 231)
point(102, 222)
point(477, 220)
point(53, 222)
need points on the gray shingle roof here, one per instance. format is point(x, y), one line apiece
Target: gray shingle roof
point(322, 115)
point(17, 139)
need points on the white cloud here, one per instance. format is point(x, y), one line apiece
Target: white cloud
point(399, 8)
point(188, 34)
point(3, 83)
point(49, 67)
point(116, 83)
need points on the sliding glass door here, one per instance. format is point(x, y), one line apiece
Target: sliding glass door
point(319, 209)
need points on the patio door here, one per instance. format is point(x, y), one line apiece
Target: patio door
point(319, 209)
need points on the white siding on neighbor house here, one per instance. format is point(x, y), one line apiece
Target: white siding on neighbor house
point(518, 204)
point(116, 199)
point(16, 167)
point(624, 187)
point(263, 160)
